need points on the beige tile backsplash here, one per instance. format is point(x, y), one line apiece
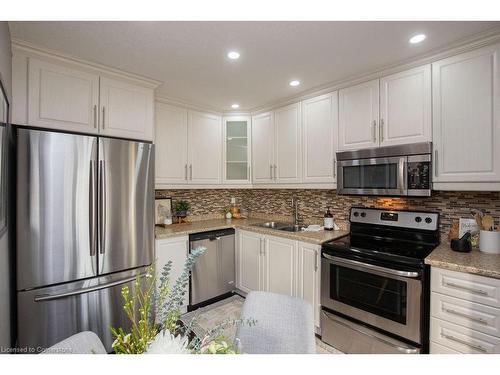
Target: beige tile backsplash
point(312, 203)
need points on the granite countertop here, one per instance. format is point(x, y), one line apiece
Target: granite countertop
point(175, 230)
point(475, 262)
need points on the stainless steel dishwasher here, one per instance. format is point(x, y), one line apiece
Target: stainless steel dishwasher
point(213, 275)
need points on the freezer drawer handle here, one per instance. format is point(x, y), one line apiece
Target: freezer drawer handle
point(50, 297)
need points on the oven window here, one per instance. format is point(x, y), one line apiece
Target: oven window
point(379, 295)
point(376, 176)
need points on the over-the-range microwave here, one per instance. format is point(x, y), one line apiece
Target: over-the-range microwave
point(404, 170)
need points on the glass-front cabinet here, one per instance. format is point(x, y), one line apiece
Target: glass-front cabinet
point(237, 150)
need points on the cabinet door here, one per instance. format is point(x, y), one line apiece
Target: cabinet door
point(175, 250)
point(287, 152)
point(250, 261)
point(62, 98)
point(405, 107)
point(358, 116)
point(466, 110)
point(171, 144)
point(204, 150)
point(319, 124)
point(236, 150)
point(127, 110)
point(280, 254)
point(262, 148)
point(309, 277)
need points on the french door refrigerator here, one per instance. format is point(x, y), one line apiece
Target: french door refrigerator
point(84, 230)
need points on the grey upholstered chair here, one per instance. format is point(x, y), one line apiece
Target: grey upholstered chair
point(285, 325)
point(82, 343)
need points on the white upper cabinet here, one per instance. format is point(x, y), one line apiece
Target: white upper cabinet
point(204, 151)
point(466, 124)
point(171, 144)
point(288, 160)
point(262, 148)
point(62, 98)
point(236, 150)
point(405, 107)
point(319, 127)
point(358, 116)
point(127, 110)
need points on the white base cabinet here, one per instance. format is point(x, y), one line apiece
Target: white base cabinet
point(465, 313)
point(279, 265)
point(176, 250)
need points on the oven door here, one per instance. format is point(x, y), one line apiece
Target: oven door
point(375, 176)
point(382, 297)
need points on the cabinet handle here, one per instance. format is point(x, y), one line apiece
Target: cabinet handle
point(95, 116)
point(271, 171)
point(103, 116)
point(473, 318)
point(334, 168)
point(374, 131)
point(275, 172)
point(191, 172)
point(460, 341)
point(316, 261)
point(472, 290)
point(435, 163)
point(185, 171)
point(249, 173)
point(381, 130)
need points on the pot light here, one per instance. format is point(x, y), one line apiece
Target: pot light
point(233, 55)
point(417, 38)
point(294, 83)
point(235, 106)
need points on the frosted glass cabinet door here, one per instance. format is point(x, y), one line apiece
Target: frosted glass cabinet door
point(236, 150)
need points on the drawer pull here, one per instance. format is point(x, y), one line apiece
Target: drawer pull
point(460, 341)
point(472, 290)
point(474, 318)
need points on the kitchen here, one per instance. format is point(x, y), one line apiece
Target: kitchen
point(343, 192)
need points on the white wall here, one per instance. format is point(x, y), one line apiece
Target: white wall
point(6, 76)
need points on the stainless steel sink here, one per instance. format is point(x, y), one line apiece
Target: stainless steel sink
point(287, 227)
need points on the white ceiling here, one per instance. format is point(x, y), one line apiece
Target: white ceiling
point(190, 57)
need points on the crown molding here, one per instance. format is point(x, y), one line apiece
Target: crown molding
point(187, 105)
point(30, 48)
point(486, 38)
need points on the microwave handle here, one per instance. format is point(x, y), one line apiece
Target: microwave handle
point(403, 162)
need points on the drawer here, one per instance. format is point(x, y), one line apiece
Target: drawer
point(470, 287)
point(462, 339)
point(435, 348)
point(472, 315)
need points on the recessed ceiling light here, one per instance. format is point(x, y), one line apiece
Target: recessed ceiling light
point(417, 38)
point(235, 106)
point(233, 55)
point(294, 83)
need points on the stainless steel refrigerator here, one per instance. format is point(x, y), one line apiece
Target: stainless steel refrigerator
point(84, 229)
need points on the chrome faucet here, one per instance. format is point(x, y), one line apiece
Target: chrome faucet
point(295, 211)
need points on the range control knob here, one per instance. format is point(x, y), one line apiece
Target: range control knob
point(428, 220)
point(363, 214)
point(418, 219)
point(356, 213)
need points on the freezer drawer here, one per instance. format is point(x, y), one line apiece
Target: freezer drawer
point(49, 315)
point(214, 272)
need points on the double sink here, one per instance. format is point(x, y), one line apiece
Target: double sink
point(285, 227)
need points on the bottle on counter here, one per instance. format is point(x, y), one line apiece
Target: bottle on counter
point(328, 220)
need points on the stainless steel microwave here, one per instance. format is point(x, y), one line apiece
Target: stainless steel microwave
point(387, 171)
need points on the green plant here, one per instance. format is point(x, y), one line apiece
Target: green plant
point(182, 206)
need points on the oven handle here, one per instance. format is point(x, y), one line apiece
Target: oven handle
point(373, 267)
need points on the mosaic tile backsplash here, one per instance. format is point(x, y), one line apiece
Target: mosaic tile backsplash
point(312, 204)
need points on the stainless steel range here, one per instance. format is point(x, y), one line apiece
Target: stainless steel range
point(375, 285)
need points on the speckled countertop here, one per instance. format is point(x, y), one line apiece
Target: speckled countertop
point(246, 224)
point(474, 262)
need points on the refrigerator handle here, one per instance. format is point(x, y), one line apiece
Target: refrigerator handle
point(102, 206)
point(91, 210)
point(50, 297)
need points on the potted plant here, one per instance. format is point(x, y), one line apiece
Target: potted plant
point(181, 208)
